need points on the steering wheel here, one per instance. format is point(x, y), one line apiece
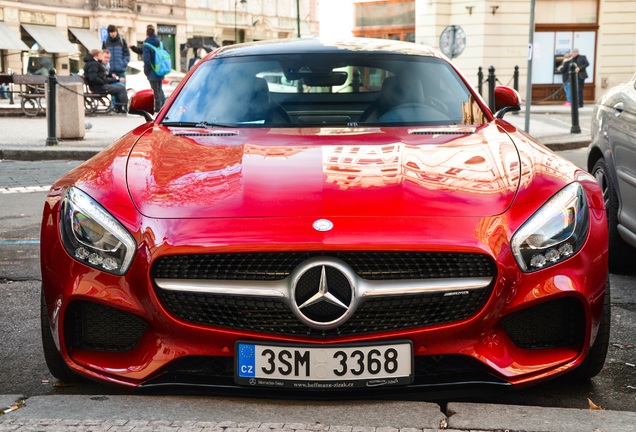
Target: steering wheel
point(438, 105)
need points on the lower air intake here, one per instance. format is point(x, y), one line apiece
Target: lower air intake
point(96, 327)
point(553, 324)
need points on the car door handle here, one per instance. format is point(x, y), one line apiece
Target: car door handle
point(619, 107)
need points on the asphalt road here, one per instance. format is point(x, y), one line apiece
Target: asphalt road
point(22, 368)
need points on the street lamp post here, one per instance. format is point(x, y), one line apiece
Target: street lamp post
point(298, 16)
point(236, 2)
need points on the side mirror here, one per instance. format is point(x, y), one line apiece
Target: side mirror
point(142, 103)
point(506, 99)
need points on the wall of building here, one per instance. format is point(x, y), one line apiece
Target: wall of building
point(496, 35)
point(616, 44)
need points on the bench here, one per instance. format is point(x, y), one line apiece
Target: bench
point(30, 90)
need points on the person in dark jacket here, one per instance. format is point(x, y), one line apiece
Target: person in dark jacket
point(120, 54)
point(581, 65)
point(98, 81)
point(149, 61)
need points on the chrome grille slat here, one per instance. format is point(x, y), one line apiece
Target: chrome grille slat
point(367, 265)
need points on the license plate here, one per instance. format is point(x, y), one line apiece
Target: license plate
point(331, 367)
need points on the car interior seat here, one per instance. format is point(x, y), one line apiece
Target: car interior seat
point(395, 91)
point(259, 106)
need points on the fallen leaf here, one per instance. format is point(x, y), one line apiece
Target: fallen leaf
point(593, 406)
point(63, 384)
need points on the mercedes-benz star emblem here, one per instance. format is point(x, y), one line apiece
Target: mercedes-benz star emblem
point(323, 293)
point(323, 225)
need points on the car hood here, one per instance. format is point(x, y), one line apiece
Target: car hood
point(323, 172)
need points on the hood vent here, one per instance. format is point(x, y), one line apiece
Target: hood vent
point(203, 134)
point(443, 131)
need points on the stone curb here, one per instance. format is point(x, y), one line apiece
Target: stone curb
point(172, 413)
point(46, 154)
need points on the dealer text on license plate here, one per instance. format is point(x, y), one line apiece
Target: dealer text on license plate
point(324, 367)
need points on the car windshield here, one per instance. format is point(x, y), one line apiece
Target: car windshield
point(306, 90)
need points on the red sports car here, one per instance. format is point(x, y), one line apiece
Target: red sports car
point(314, 215)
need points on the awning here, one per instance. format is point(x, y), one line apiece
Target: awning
point(50, 39)
point(88, 38)
point(9, 40)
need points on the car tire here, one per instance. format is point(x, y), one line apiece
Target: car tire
point(621, 254)
point(54, 361)
point(593, 363)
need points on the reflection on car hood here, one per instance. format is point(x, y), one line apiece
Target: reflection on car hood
point(226, 173)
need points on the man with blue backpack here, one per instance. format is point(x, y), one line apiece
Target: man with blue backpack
point(156, 64)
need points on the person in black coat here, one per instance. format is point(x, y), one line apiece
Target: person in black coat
point(581, 66)
point(98, 81)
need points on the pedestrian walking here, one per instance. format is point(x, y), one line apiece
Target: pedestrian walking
point(149, 61)
point(119, 52)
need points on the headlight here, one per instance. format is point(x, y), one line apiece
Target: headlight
point(555, 232)
point(92, 236)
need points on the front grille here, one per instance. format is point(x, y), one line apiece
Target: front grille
point(92, 326)
point(274, 317)
point(268, 266)
point(556, 323)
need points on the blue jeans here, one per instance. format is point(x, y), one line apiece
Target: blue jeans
point(118, 103)
point(566, 89)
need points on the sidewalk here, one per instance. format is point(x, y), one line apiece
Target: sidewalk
point(24, 138)
point(218, 414)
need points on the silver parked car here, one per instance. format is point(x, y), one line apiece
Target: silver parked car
point(612, 160)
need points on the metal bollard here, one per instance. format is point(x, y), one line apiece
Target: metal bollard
point(515, 84)
point(574, 90)
point(491, 88)
point(51, 140)
point(11, 87)
point(480, 81)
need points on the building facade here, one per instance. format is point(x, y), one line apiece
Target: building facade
point(498, 34)
point(385, 19)
point(60, 32)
